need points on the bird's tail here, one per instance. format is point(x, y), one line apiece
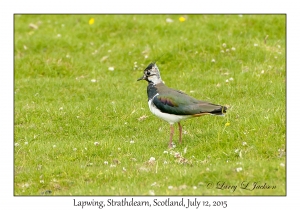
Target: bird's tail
point(220, 111)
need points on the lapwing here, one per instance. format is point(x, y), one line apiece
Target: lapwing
point(173, 105)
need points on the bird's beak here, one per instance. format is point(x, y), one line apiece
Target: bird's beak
point(143, 77)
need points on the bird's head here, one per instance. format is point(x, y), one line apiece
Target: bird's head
point(151, 74)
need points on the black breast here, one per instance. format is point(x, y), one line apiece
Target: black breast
point(151, 91)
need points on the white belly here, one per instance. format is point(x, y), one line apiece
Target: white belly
point(171, 118)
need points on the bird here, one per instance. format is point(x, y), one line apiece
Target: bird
point(173, 105)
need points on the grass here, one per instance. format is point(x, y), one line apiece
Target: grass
point(82, 129)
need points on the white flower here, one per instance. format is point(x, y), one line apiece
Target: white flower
point(54, 146)
point(207, 169)
point(119, 149)
point(166, 152)
point(124, 169)
point(111, 68)
point(222, 51)
point(169, 20)
point(233, 48)
point(239, 169)
point(255, 45)
point(75, 149)
point(131, 142)
point(282, 164)
point(170, 187)
point(112, 165)
point(58, 35)
point(93, 80)
point(165, 162)
point(224, 45)
point(152, 159)
point(213, 60)
point(25, 142)
point(227, 80)
point(194, 187)
point(61, 108)
point(230, 78)
point(105, 162)
point(227, 50)
point(244, 143)
point(146, 56)
point(262, 72)
point(96, 143)
point(17, 144)
point(236, 151)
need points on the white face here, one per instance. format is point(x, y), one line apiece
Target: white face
point(151, 74)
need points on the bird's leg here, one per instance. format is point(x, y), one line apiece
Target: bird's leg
point(180, 132)
point(171, 135)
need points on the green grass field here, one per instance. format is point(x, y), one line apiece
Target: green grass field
point(82, 123)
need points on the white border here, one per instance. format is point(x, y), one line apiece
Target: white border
point(8, 8)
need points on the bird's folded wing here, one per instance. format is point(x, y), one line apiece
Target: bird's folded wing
point(182, 104)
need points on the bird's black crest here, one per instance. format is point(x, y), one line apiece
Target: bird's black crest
point(150, 66)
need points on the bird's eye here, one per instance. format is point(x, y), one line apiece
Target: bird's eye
point(148, 73)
